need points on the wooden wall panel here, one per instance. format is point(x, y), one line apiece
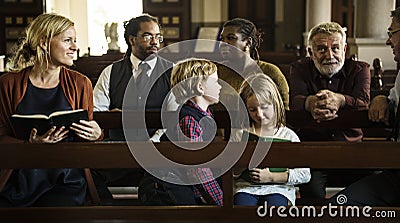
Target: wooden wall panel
point(174, 17)
point(261, 13)
point(15, 15)
point(343, 13)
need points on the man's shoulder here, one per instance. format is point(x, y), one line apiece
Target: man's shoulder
point(119, 62)
point(164, 63)
point(119, 66)
point(354, 67)
point(354, 63)
point(164, 67)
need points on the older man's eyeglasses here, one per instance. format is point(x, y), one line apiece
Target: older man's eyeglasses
point(148, 37)
point(392, 32)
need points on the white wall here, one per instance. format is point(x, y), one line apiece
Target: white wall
point(84, 12)
point(76, 10)
point(203, 11)
point(209, 11)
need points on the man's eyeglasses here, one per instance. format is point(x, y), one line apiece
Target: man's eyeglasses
point(392, 32)
point(148, 38)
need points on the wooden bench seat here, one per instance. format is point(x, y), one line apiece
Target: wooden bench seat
point(92, 66)
point(294, 119)
point(339, 155)
point(378, 155)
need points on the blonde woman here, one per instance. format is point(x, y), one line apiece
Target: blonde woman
point(40, 83)
point(267, 119)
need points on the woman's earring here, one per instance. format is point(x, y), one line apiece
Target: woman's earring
point(246, 48)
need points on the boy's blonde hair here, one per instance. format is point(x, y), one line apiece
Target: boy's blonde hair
point(192, 72)
point(265, 90)
point(40, 31)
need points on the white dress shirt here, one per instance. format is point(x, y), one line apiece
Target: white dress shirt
point(101, 92)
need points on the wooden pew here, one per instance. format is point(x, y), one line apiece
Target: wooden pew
point(92, 66)
point(279, 57)
point(294, 119)
point(363, 155)
point(117, 155)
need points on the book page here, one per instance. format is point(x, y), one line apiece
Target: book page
point(57, 113)
point(37, 116)
point(42, 116)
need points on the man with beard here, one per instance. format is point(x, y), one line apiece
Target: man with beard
point(151, 78)
point(381, 189)
point(143, 37)
point(323, 84)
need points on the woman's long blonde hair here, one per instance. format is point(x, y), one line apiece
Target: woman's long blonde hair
point(38, 33)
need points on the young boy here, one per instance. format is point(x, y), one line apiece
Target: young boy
point(194, 83)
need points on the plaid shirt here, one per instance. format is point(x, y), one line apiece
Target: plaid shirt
point(209, 188)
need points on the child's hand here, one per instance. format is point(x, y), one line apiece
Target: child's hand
point(261, 175)
point(264, 175)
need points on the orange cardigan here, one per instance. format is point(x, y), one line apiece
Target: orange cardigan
point(77, 89)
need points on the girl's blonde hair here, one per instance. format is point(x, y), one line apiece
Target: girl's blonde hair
point(265, 90)
point(190, 72)
point(40, 31)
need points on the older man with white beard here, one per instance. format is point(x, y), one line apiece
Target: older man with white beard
point(324, 83)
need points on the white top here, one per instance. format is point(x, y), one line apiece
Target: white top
point(101, 92)
point(394, 93)
point(296, 175)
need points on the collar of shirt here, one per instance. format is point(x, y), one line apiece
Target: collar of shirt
point(197, 107)
point(136, 61)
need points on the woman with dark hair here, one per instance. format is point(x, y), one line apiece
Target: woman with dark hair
point(244, 35)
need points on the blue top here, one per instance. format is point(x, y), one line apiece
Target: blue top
point(43, 101)
point(44, 187)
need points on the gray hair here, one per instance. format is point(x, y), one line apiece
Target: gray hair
point(327, 28)
point(396, 14)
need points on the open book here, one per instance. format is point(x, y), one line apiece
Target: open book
point(251, 137)
point(23, 124)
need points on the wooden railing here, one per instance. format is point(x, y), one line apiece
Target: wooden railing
point(294, 119)
point(361, 155)
point(92, 66)
point(377, 155)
